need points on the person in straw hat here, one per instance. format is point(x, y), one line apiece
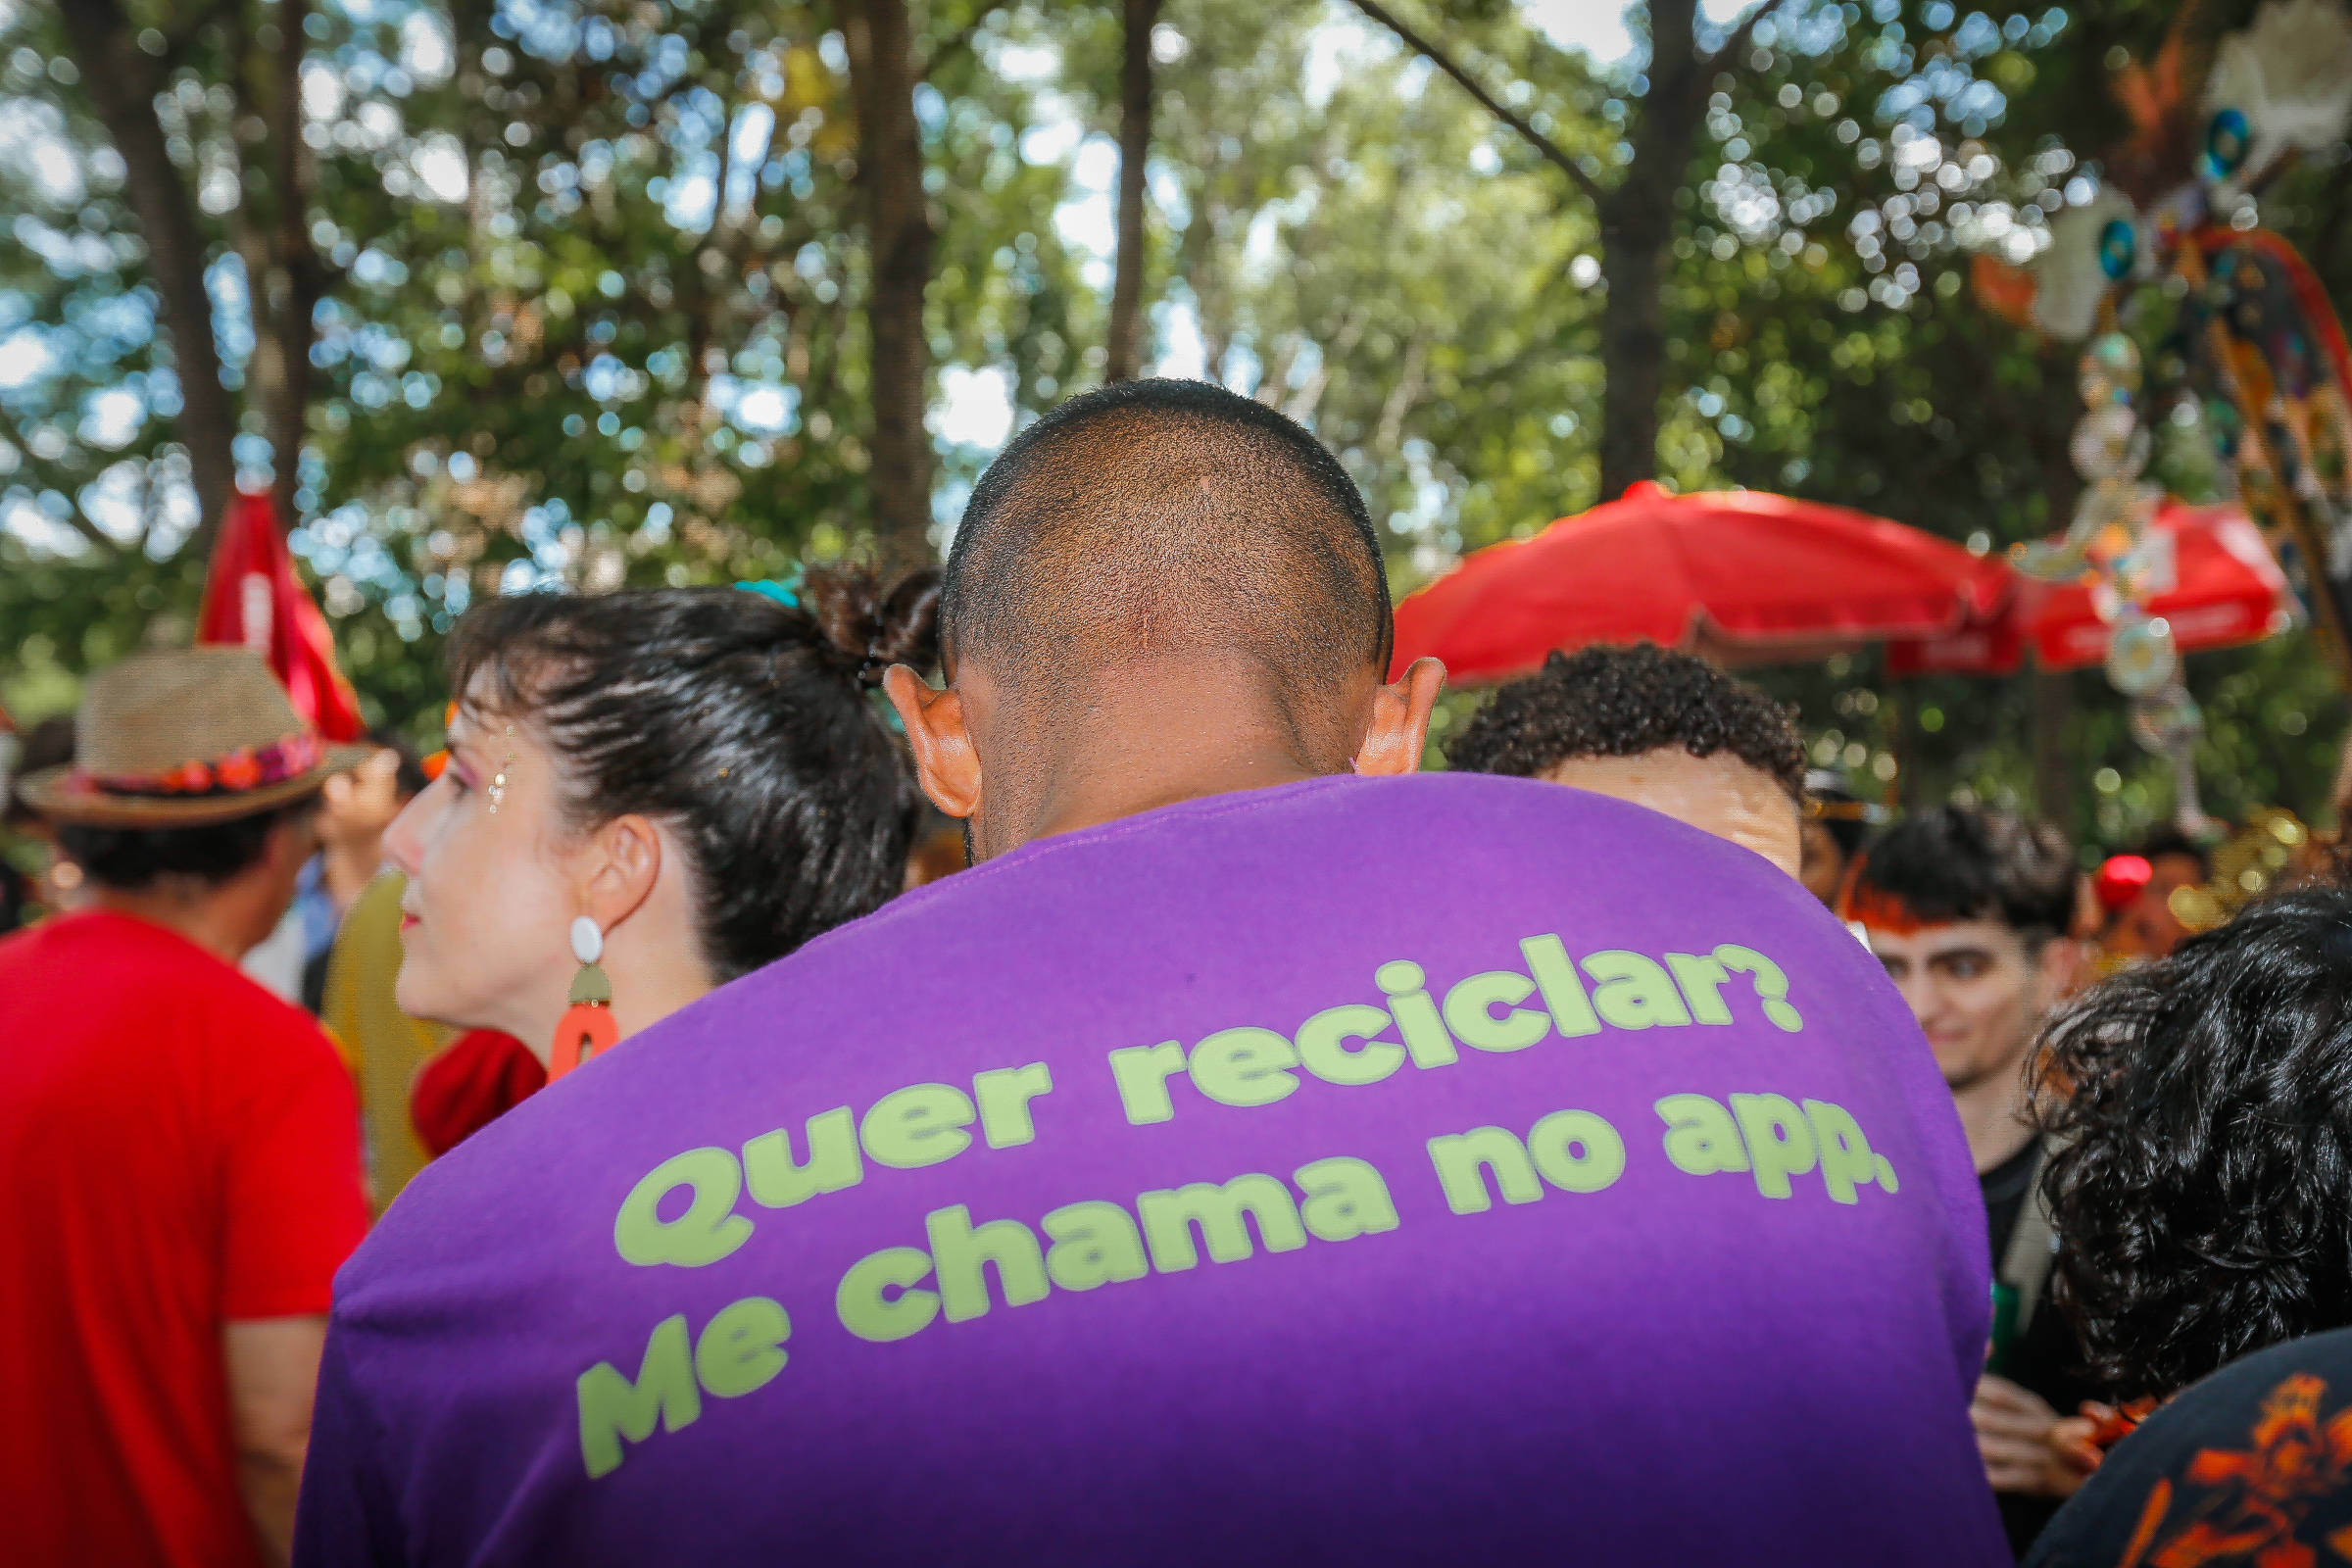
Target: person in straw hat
point(179, 1149)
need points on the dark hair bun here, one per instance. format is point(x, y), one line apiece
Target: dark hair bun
point(869, 631)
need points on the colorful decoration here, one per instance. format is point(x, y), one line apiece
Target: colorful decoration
point(2203, 570)
point(245, 769)
point(2263, 352)
point(2072, 278)
point(496, 791)
point(2282, 84)
point(2228, 141)
point(2254, 343)
point(2141, 656)
point(2114, 543)
point(2246, 866)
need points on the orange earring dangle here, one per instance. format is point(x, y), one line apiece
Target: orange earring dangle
point(588, 1028)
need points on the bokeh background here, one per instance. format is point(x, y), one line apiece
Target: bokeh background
point(501, 294)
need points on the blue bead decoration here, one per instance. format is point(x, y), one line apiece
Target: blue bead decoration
point(2119, 248)
point(2228, 141)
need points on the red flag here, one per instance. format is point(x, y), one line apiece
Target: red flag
point(251, 596)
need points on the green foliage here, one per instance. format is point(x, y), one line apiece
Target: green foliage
point(594, 314)
point(597, 267)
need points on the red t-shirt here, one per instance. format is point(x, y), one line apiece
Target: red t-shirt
point(179, 1149)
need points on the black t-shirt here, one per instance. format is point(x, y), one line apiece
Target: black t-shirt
point(2004, 1188)
point(2246, 1450)
point(2044, 1358)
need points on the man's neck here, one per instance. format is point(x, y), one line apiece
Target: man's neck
point(1079, 804)
point(1995, 1115)
point(203, 918)
point(1160, 735)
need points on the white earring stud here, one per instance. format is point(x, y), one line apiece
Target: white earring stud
point(587, 940)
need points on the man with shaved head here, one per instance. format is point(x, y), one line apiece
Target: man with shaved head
point(1256, 1161)
point(1197, 576)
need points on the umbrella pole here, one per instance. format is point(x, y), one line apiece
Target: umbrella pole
point(1893, 735)
point(2052, 695)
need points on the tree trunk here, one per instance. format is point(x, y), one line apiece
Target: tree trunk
point(890, 169)
point(286, 298)
point(122, 83)
point(1636, 227)
point(1195, 265)
point(1125, 346)
point(2054, 718)
point(2053, 728)
point(1633, 336)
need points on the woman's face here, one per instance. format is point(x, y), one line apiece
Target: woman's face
point(486, 918)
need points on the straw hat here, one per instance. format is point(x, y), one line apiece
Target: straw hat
point(183, 738)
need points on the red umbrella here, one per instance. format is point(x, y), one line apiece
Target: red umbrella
point(1743, 574)
point(2219, 588)
point(251, 596)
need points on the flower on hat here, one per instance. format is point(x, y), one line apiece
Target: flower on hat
point(238, 770)
point(192, 778)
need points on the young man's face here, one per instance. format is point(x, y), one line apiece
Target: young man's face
point(1717, 794)
point(1977, 988)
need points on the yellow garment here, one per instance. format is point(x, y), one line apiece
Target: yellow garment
point(382, 1045)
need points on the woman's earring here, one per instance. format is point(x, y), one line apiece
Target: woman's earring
point(587, 1028)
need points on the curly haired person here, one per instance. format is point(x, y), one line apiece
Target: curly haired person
point(1662, 730)
point(2202, 1177)
point(2203, 1174)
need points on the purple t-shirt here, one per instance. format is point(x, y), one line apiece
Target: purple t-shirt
point(1440, 1170)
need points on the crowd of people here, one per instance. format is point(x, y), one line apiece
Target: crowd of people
point(1267, 1151)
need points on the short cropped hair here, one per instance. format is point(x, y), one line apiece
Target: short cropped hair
point(2201, 1168)
point(1623, 702)
point(2167, 840)
point(1160, 517)
point(1959, 863)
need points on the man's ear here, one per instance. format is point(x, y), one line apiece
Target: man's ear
point(622, 863)
point(1392, 742)
point(946, 763)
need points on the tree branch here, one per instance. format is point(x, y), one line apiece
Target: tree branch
point(103, 46)
point(958, 41)
point(1389, 434)
point(50, 476)
point(179, 40)
point(1744, 31)
point(1535, 138)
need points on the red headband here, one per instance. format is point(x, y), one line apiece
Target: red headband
point(1881, 911)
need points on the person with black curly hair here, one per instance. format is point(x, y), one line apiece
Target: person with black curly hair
point(1663, 730)
point(2202, 1176)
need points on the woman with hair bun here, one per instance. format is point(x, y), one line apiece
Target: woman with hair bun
point(650, 793)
